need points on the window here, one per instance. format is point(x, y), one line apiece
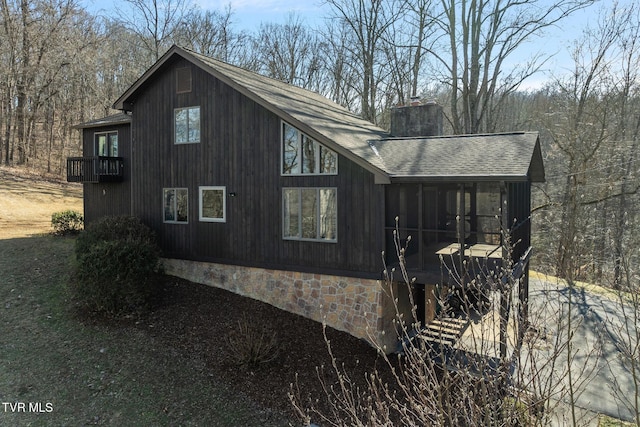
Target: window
point(187, 125)
point(176, 205)
point(183, 79)
point(302, 155)
point(212, 204)
point(309, 214)
point(107, 144)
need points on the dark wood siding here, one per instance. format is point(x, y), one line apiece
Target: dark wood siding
point(108, 199)
point(240, 149)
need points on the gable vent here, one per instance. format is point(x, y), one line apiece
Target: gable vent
point(183, 79)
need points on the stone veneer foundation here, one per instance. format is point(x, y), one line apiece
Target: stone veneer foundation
point(360, 307)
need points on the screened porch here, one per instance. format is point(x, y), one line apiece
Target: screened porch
point(460, 224)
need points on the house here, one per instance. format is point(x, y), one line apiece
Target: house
point(278, 194)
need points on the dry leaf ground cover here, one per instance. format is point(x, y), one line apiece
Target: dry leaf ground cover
point(167, 365)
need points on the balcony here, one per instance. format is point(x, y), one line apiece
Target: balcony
point(96, 169)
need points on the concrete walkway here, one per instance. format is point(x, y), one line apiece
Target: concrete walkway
point(602, 380)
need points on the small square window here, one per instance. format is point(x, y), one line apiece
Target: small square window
point(213, 204)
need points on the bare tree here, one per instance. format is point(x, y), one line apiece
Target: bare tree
point(406, 51)
point(626, 134)
point(581, 128)
point(212, 33)
point(478, 36)
point(37, 34)
point(342, 80)
point(154, 22)
point(289, 52)
point(367, 25)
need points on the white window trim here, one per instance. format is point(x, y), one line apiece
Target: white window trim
point(318, 213)
point(317, 154)
point(175, 139)
point(224, 203)
point(175, 207)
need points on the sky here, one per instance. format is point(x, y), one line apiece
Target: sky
point(556, 41)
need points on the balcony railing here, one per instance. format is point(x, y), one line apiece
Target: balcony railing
point(95, 169)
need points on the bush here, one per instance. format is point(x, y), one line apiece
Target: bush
point(251, 343)
point(67, 222)
point(117, 258)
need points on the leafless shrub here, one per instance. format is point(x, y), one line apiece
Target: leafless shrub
point(472, 383)
point(250, 343)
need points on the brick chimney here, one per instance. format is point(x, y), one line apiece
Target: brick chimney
point(416, 120)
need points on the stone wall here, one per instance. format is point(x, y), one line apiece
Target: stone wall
point(360, 307)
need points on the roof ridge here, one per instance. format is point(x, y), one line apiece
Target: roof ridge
point(464, 135)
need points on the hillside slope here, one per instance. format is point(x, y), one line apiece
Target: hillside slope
point(27, 202)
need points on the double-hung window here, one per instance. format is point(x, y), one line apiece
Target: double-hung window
point(301, 155)
point(175, 205)
point(310, 214)
point(212, 204)
point(187, 125)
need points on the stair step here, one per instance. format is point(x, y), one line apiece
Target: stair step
point(436, 340)
point(454, 321)
point(437, 333)
point(444, 327)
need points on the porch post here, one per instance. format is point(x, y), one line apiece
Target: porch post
point(461, 232)
point(505, 285)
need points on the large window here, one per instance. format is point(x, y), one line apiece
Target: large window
point(302, 155)
point(187, 125)
point(175, 205)
point(212, 204)
point(310, 214)
point(107, 144)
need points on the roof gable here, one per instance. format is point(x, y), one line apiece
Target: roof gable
point(514, 156)
point(327, 122)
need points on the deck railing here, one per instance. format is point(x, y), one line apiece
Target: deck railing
point(95, 169)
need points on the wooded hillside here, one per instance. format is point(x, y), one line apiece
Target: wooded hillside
point(62, 65)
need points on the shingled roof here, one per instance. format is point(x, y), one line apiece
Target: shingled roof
point(115, 119)
point(499, 156)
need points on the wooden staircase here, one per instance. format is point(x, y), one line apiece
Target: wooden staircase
point(443, 332)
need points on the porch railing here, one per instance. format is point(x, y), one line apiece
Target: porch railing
point(95, 169)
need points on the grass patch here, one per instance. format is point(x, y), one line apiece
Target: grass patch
point(95, 373)
point(604, 421)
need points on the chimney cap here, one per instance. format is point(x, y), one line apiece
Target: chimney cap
point(415, 100)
